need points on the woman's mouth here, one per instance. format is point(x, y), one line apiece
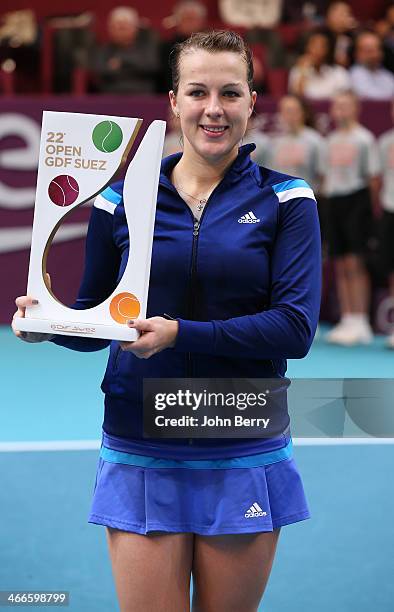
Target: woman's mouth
point(214, 131)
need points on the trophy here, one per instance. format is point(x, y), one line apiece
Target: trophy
point(79, 155)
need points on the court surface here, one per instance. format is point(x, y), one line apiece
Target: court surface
point(341, 560)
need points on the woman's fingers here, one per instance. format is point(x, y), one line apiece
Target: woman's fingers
point(24, 301)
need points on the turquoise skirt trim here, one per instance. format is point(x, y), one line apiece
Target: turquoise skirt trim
point(113, 456)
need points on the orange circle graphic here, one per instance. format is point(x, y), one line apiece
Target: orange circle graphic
point(123, 307)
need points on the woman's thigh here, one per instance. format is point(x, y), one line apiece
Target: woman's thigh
point(230, 572)
point(151, 572)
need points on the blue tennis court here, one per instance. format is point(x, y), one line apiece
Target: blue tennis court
point(340, 560)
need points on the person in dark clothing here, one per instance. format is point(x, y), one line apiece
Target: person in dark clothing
point(129, 62)
point(189, 16)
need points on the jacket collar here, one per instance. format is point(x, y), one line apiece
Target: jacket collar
point(241, 163)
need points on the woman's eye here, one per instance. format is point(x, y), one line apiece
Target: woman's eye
point(231, 94)
point(197, 93)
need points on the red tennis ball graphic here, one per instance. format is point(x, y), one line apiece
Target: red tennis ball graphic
point(63, 190)
point(124, 306)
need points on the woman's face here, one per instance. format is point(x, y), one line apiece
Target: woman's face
point(214, 102)
point(317, 48)
point(291, 113)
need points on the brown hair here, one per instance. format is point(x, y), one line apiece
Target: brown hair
point(213, 41)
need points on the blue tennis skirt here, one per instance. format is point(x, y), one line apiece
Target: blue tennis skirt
point(140, 493)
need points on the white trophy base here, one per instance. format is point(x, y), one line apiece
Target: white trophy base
point(69, 328)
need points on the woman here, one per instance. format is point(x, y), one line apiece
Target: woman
point(314, 75)
point(236, 264)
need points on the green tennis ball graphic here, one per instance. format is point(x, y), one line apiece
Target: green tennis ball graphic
point(107, 136)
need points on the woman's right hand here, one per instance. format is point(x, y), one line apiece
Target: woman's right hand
point(23, 302)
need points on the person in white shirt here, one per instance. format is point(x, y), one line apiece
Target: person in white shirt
point(314, 76)
point(297, 149)
point(386, 150)
point(368, 77)
point(352, 169)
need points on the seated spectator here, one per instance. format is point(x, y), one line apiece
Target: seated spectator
point(130, 61)
point(368, 77)
point(340, 25)
point(188, 16)
point(20, 43)
point(309, 13)
point(314, 76)
point(385, 30)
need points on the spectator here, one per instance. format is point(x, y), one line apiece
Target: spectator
point(189, 16)
point(368, 77)
point(20, 43)
point(352, 166)
point(314, 76)
point(385, 30)
point(309, 13)
point(298, 149)
point(340, 25)
point(130, 61)
point(386, 149)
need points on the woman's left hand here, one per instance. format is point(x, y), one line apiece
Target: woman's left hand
point(157, 334)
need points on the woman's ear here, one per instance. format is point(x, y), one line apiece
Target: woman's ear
point(173, 103)
point(253, 102)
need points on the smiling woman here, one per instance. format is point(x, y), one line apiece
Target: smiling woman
point(212, 95)
point(236, 264)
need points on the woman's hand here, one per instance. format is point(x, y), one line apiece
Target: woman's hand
point(157, 334)
point(23, 302)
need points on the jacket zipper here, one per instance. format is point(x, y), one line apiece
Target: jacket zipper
point(196, 229)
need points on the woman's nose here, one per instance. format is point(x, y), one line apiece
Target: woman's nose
point(214, 107)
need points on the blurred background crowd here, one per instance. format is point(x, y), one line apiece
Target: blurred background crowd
point(340, 54)
point(310, 48)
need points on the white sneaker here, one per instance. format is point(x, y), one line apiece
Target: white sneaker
point(390, 342)
point(351, 333)
point(336, 331)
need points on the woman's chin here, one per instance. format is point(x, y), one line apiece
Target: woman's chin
point(216, 150)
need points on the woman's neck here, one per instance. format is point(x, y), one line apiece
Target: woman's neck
point(198, 173)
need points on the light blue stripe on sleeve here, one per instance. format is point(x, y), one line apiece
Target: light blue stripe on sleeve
point(260, 459)
point(111, 195)
point(291, 184)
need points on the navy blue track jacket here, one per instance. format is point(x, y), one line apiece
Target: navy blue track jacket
point(244, 284)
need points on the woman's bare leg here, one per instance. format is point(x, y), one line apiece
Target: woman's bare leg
point(151, 572)
point(230, 572)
